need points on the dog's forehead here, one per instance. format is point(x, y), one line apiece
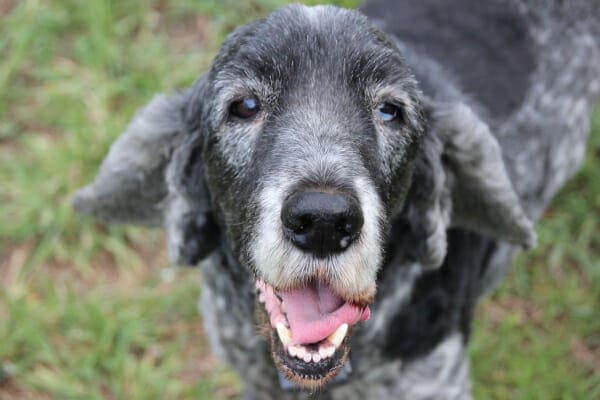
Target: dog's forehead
point(304, 43)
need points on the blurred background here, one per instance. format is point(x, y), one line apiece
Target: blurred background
point(89, 311)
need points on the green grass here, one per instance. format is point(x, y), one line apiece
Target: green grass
point(539, 335)
point(536, 345)
point(86, 311)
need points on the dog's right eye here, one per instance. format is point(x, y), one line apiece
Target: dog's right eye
point(245, 108)
point(389, 112)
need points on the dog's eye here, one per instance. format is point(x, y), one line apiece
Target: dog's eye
point(388, 112)
point(245, 108)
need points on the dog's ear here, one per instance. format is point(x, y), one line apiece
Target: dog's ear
point(130, 186)
point(192, 233)
point(460, 180)
point(153, 175)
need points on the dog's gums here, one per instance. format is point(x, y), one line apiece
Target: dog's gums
point(309, 329)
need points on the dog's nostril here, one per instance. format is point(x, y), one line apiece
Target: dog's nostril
point(321, 223)
point(303, 224)
point(294, 221)
point(347, 227)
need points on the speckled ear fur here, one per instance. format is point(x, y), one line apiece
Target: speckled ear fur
point(462, 182)
point(191, 231)
point(153, 176)
point(130, 186)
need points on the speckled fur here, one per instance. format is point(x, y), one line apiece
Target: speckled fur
point(498, 96)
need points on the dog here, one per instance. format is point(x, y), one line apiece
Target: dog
point(352, 182)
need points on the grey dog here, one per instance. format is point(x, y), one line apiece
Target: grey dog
point(353, 182)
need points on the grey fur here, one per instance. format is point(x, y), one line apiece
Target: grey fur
point(130, 186)
point(493, 126)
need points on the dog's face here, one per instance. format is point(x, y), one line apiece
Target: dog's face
point(312, 122)
point(305, 134)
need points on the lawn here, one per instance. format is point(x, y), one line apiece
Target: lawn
point(91, 311)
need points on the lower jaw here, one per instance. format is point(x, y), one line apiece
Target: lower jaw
point(308, 375)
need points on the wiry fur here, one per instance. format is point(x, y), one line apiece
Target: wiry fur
point(496, 98)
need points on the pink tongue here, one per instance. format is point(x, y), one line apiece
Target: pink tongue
point(315, 312)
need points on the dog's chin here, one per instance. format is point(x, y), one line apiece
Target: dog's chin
point(310, 375)
point(309, 331)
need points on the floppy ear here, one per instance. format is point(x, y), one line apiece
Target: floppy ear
point(144, 178)
point(191, 231)
point(460, 180)
point(130, 186)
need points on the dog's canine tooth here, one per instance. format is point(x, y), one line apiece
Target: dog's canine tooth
point(278, 319)
point(331, 351)
point(284, 334)
point(338, 336)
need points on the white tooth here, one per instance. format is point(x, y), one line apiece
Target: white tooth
point(278, 319)
point(300, 352)
point(284, 334)
point(326, 351)
point(261, 297)
point(322, 351)
point(338, 336)
point(330, 351)
point(316, 357)
point(293, 350)
point(282, 306)
point(307, 357)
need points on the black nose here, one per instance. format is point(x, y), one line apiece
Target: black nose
point(321, 223)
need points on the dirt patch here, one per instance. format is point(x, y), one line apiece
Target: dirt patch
point(188, 32)
point(6, 7)
point(526, 311)
point(199, 362)
point(12, 261)
point(104, 270)
point(10, 390)
point(586, 353)
point(9, 145)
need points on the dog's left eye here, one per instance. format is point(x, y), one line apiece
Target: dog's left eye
point(245, 108)
point(388, 112)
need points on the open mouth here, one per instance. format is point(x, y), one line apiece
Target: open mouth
point(309, 330)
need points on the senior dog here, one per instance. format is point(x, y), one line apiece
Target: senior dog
point(354, 192)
